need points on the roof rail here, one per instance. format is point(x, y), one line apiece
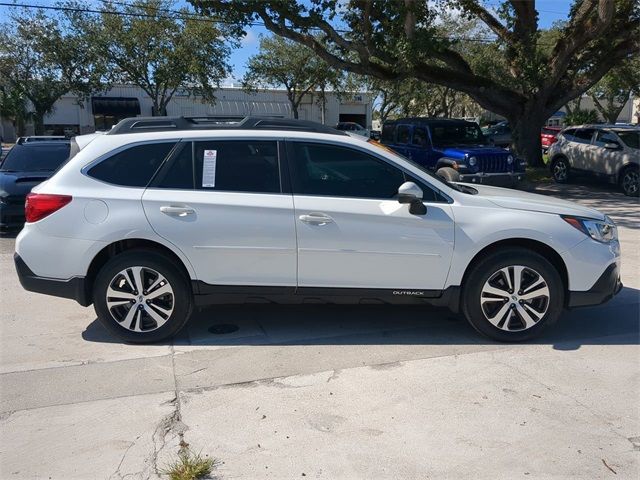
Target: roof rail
point(165, 124)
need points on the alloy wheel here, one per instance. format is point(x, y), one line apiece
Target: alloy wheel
point(515, 298)
point(140, 299)
point(560, 171)
point(630, 182)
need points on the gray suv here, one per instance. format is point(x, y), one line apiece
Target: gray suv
point(611, 152)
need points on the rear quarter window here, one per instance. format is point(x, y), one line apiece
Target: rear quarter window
point(133, 167)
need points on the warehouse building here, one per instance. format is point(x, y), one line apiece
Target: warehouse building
point(102, 111)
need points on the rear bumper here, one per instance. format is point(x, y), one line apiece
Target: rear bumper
point(73, 288)
point(497, 179)
point(11, 216)
point(605, 288)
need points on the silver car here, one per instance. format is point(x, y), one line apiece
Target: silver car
point(611, 152)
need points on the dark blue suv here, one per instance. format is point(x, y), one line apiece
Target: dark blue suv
point(455, 149)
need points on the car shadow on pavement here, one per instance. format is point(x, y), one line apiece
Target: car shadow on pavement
point(615, 323)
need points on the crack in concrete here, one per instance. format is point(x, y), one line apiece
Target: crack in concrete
point(171, 423)
point(557, 390)
point(117, 472)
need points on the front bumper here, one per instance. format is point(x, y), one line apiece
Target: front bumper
point(608, 285)
point(496, 179)
point(73, 288)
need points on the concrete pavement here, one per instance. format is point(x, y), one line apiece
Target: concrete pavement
point(325, 391)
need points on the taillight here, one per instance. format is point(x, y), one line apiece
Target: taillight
point(40, 205)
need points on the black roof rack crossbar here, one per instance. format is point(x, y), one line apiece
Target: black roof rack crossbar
point(165, 124)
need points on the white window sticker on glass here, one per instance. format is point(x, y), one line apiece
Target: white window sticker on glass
point(209, 168)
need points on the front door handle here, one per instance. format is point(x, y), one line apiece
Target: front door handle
point(316, 219)
point(174, 211)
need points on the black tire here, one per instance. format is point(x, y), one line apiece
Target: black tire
point(629, 181)
point(560, 170)
point(449, 174)
point(486, 269)
point(154, 262)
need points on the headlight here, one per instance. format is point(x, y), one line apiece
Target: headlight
point(601, 231)
point(473, 161)
point(510, 159)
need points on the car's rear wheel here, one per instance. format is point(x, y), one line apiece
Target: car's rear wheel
point(141, 297)
point(512, 295)
point(560, 169)
point(629, 181)
point(449, 174)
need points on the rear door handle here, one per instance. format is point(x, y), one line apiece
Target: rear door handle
point(174, 211)
point(316, 218)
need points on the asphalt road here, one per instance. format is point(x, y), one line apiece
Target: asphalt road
point(331, 392)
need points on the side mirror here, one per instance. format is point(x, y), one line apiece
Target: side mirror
point(611, 146)
point(411, 193)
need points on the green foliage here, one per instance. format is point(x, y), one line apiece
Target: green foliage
point(283, 63)
point(41, 60)
point(160, 52)
point(581, 117)
point(502, 60)
point(189, 466)
point(613, 91)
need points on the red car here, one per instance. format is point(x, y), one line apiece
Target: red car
point(548, 136)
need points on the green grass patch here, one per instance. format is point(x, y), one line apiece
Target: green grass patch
point(537, 175)
point(189, 466)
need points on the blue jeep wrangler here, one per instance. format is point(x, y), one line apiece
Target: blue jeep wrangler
point(455, 149)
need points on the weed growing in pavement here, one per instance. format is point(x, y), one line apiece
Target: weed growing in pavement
point(189, 466)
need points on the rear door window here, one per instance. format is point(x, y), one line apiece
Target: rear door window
point(583, 135)
point(237, 166)
point(133, 167)
point(419, 137)
point(404, 134)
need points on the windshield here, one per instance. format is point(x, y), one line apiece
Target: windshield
point(35, 158)
point(630, 138)
point(456, 134)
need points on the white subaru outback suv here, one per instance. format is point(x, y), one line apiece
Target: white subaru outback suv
point(162, 215)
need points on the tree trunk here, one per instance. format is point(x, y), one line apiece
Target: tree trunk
point(294, 109)
point(158, 110)
point(38, 123)
point(525, 131)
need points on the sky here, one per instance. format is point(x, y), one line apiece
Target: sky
point(550, 11)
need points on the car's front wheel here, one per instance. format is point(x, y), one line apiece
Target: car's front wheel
point(629, 181)
point(142, 297)
point(560, 170)
point(511, 295)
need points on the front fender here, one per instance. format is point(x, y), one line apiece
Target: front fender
point(477, 228)
point(447, 162)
